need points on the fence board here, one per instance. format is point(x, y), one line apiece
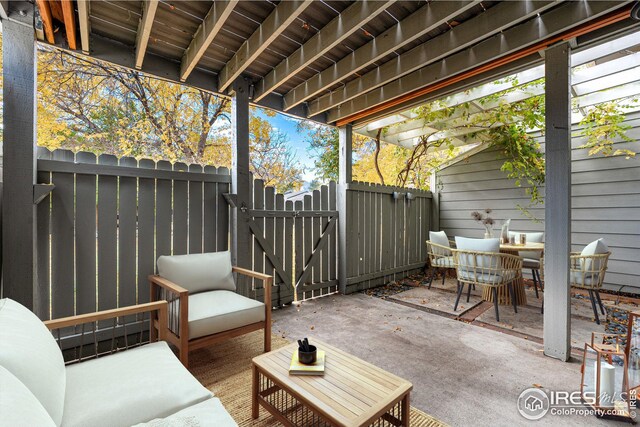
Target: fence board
point(223, 213)
point(85, 238)
point(180, 212)
point(210, 219)
point(286, 293)
point(164, 189)
point(258, 203)
point(269, 232)
point(195, 212)
point(127, 226)
point(146, 230)
point(43, 291)
point(107, 237)
point(62, 259)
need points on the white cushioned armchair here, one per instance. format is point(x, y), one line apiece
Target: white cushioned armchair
point(123, 387)
point(204, 307)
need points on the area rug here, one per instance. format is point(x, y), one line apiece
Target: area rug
point(225, 369)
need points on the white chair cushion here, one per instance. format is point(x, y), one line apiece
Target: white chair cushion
point(444, 262)
point(219, 311)
point(18, 406)
point(579, 279)
point(489, 279)
point(129, 387)
point(531, 237)
point(440, 238)
point(199, 272)
point(206, 414)
point(593, 248)
point(530, 263)
point(478, 245)
point(29, 352)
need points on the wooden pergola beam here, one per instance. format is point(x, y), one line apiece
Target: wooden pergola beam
point(273, 25)
point(512, 44)
point(4, 9)
point(149, 8)
point(47, 20)
point(465, 35)
point(69, 15)
point(207, 31)
point(346, 23)
point(83, 20)
point(422, 21)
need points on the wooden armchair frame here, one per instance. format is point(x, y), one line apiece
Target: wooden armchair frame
point(178, 335)
point(157, 310)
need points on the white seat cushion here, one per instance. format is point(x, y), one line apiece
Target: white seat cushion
point(440, 238)
point(219, 311)
point(489, 279)
point(18, 406)
point(209, 413)
point(477, 245)
point(593, 248)
point(29, 352)
point(444, 262)
point(580, 279)
point(530, 263)
point(199, 272)
point(537, 237)
point(129, 387)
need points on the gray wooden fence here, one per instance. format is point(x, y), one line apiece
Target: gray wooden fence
point(102, 228)
point(386, 233)
point(295, 241)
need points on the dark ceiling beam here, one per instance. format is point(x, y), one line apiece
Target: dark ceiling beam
point(426, 19)
point(206, 32)
point(509, 45)
point(341, 27)
point(469, 33)
point(272, 26)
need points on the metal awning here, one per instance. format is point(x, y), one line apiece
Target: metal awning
point(332, 61)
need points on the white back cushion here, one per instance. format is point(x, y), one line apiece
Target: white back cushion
point(199, 272)
point(478, 245)
point(18, 406)
point(29, 352)
point(537, 237)
point(440, 238)
point(593, 248)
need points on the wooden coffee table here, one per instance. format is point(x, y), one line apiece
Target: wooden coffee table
point(351, 392)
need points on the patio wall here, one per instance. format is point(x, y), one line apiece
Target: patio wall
point(605, 202)
point(386, 230)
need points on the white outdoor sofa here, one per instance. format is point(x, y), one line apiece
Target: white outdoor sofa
point(142, 386)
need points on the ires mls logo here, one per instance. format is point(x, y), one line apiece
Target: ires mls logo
point(533, 404)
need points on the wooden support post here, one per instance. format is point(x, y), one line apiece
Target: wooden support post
point(240, 175)
point(557, 310)
point(345, 177)
point(19, 272)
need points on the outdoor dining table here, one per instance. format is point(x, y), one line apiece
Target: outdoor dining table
point(518, 285)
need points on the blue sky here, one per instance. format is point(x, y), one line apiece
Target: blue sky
point(297, 142)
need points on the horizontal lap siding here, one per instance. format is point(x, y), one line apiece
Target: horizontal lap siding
point(605, 202)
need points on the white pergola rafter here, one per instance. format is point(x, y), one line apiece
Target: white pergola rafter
point(149, 8)
point(556, 21)
point(83, 20)
point(422, 21)
point(346, 23)
point(469, 33)
point(206, 32)
point(273, 25)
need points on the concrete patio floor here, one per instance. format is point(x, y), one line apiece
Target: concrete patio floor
point(462, 374)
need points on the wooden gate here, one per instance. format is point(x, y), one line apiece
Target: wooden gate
point(294, 240)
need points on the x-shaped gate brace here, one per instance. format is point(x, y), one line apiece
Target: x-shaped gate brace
point(249, 215)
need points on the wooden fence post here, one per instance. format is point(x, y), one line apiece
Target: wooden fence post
point(240, 175)
point(345, 177)
point(19, 173)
